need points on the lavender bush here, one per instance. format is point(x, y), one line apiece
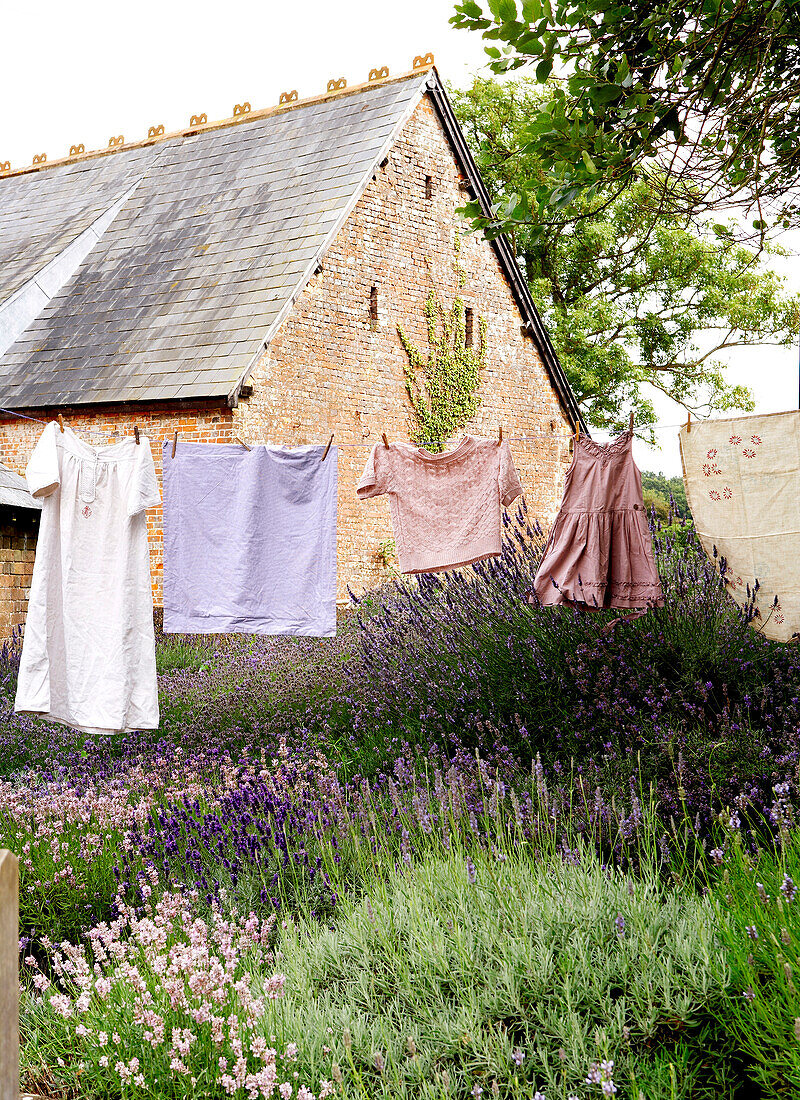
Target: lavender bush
point(689, 697)
point(499, 974)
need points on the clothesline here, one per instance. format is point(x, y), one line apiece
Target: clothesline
point(526, 438)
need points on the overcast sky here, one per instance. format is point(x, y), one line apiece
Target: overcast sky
point(84, 71)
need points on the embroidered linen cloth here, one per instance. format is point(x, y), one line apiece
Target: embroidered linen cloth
point(88, 655)
point(446, 508)
point(742, 478)
point(599, 553)
point(249, 540)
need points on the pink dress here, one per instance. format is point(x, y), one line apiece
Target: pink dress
point(599, 553)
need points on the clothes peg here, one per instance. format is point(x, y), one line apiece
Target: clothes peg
point(174, 443)
point(689, 422)
point(500, 436)
point(325, 452)
point(242, 443)
point(630, 423)
point(60, 419)
point(385, 440)
point(136, 434)
point(577, 429)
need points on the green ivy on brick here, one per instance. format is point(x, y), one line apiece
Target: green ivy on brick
point(442, 384)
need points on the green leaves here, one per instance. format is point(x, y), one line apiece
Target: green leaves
point(648, 77)
point(470, 9)
point(635, 293)
point(504, 11)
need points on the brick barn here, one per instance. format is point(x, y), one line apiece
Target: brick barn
point(246, 278)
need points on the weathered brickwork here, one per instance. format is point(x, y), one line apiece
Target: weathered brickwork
point(18, 529)
point(333, 368)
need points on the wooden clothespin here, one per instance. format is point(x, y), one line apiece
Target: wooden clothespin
point(325, 452)
point(688, 422)
point(136, 434)
point(500, 436)
point(577, 429)
point(174, 444)
point(242, 443)
point(60, 420)
point(630, 423)
point(385, 440)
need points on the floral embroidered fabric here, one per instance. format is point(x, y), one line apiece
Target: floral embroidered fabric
point(599, 553)
point(742, 478)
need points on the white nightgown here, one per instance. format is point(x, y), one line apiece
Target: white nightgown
point(88, 653)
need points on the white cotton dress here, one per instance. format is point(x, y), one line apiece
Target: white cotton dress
point(88, 654)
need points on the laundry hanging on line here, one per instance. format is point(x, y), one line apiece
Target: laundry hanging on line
point(599, 553)
point(742, 479)
point(249, 547)
point(250, 540)
point(446, 508)
point(88, 653)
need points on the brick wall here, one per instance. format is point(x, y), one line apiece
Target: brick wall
point(18, 530)
point(331, 368)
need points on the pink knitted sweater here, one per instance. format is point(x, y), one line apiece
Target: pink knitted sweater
point(446, 508)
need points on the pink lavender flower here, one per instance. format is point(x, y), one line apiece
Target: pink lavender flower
point(749, 994)
point(517, 1056)
point(751, 931)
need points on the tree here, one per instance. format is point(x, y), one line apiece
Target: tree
point(634, 296)
point(663, 491)
point(699, 96)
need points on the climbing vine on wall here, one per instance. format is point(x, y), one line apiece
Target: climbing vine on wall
point(442, 383)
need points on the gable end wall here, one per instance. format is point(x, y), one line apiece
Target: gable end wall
point(331, 369)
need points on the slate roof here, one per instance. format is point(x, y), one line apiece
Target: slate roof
point(14, 491)
point(216, 232)
point(181, 290)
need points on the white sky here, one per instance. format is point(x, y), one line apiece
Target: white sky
point(85, 71)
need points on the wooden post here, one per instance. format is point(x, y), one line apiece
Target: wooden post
point(9, 976)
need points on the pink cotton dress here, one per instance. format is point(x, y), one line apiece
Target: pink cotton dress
point(600, 553)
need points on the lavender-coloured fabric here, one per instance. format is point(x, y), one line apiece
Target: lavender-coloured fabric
point(600, 553)
point(249, 540)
